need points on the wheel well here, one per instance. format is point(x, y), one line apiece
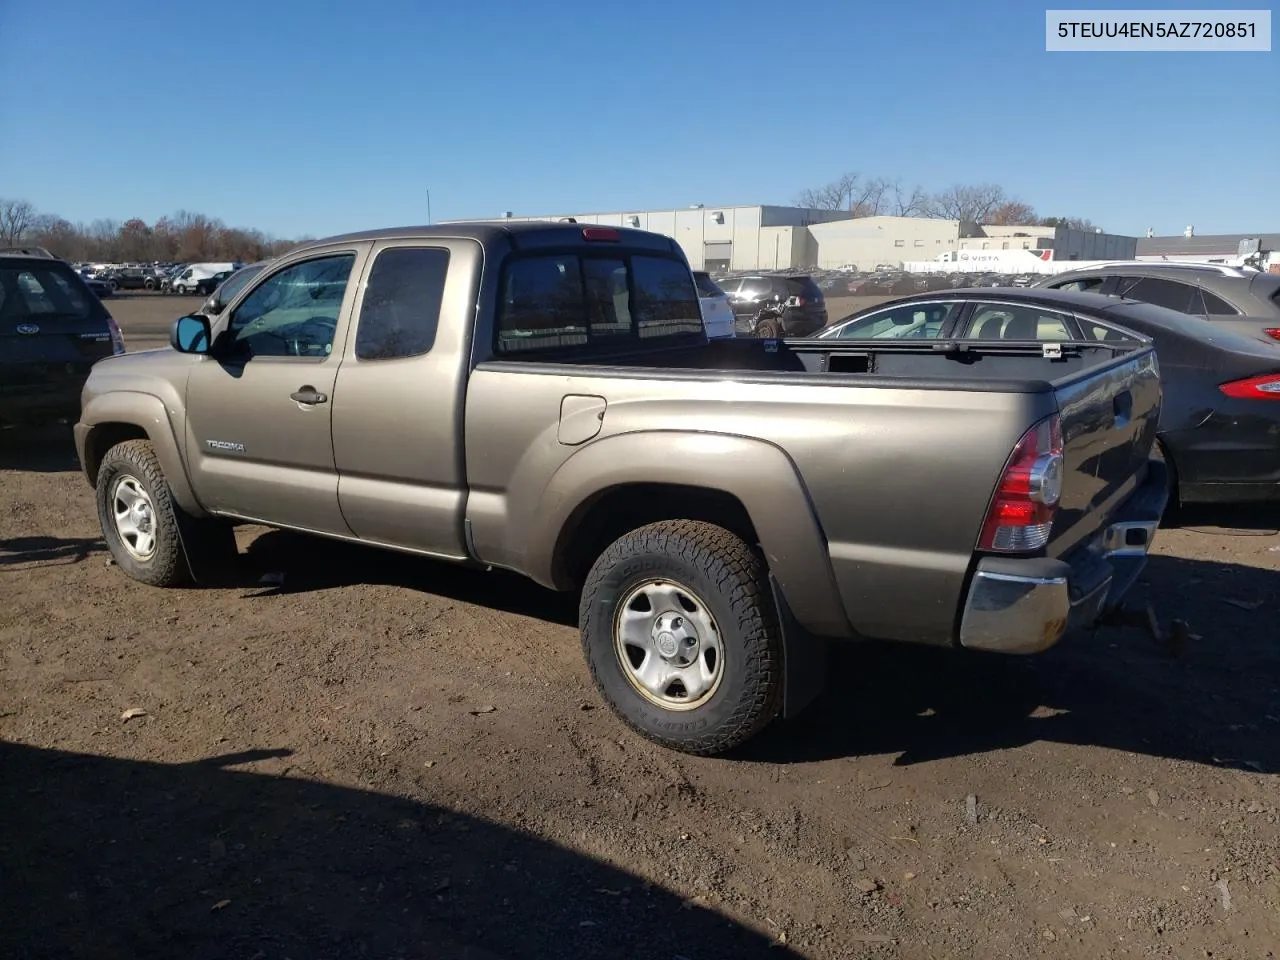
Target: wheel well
point(613, 512)
point(102, 438)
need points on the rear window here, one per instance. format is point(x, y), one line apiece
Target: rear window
point(44, 291)
point(803, 287)
point(706, 286)
point(564, 301)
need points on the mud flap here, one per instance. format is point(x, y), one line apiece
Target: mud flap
point(805, 658)
point(209, 547)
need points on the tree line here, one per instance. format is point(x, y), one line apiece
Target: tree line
point(975, 203)
point(181, 237)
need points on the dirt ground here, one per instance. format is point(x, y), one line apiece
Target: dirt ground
point(375, 756)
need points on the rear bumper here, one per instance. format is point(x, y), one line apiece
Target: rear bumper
point(1026, 605)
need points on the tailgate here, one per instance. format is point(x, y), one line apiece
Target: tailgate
point(1109, 418)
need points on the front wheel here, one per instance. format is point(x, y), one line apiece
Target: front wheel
point(137, 515)
point(680, 632)
point(180, 289)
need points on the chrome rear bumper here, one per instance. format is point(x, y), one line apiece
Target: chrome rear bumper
point(1026, 605)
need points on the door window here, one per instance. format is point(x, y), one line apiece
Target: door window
point(1082, 285)
point(1001, 321)
point(914, 321)
point(401, 306)
point(1163, 293)
point(293, 313)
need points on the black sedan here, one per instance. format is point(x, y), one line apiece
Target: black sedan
point(1220, 420)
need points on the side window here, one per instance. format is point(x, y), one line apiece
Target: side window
point(914, 321)
point(1096, 331)
point(729, 285)
point(1215, 306)
point(666, 299)
point(541, 304)
point(401, 306)
point(1163, 293)
point(293, 313)
point(753, 288)
point(1082, 285)
point(1014, 322)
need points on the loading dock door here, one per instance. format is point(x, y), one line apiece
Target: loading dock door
point(716, 256)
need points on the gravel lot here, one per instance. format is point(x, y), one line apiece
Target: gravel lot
point(377, 756)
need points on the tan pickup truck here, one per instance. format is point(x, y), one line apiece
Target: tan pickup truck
point(542, 397)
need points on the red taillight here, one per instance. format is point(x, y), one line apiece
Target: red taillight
point(1265, 387)
point(599, 233)
point(1272, 332)
point(1021, 512)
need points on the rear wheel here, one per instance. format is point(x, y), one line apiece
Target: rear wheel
point(679, 630)
point(769, 329)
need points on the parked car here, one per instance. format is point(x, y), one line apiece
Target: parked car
point(127, 278)
point(52, 330)
point(1221, 412)
point(492, 398)
point(775, 306)
point(205, 286)
point(1242, 300)
point(229, 287)
point(100, 288)
point(187, 280)
point(717, 314)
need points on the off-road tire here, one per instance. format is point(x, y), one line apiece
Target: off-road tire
point(167, 566)
point(731, 579)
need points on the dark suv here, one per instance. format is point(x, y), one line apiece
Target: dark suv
point(775, 305)
point(52, 330)
point(1244, 301)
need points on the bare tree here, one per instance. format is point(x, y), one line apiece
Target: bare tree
point(1073, 223)
point(972, 203)
point(1012, 212)
point(16, 218)
point(836, 195)
point(907, 203)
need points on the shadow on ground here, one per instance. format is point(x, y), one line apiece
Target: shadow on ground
point(1232, 519)
point(48, 449)
point(1217, 704)
point(39, 551)
point(305, 563)
point(107, 858)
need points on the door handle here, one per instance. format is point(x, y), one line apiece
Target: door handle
point(309, 395)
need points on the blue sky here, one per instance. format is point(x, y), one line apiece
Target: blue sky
point(323, 116)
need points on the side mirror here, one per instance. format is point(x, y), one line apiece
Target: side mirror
point(190, 334)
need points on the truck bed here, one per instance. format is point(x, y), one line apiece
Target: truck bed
point(898, 446)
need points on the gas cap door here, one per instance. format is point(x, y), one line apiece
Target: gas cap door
point(581, 416)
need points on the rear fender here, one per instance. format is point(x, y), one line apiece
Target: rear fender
point(758, 474)
point(148, 414)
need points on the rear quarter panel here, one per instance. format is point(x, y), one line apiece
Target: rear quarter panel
point(894, 482)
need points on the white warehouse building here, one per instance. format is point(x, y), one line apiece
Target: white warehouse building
point(762, 237)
